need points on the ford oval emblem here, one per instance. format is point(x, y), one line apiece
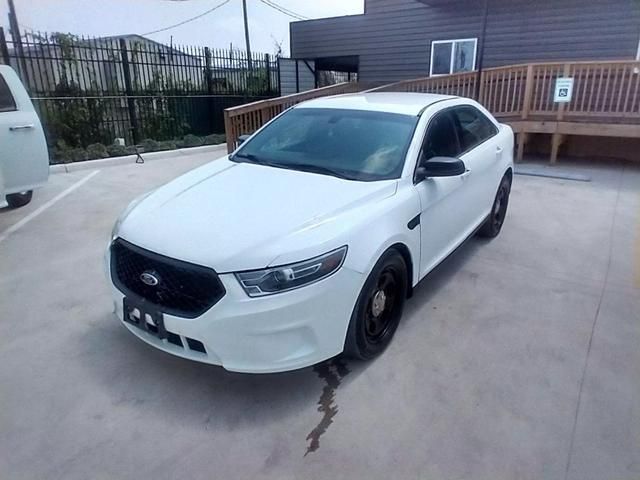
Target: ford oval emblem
point(150, 278)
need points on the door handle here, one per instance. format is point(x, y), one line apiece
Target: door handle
point(21, 127)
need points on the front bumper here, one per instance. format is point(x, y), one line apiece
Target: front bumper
point(274, 333)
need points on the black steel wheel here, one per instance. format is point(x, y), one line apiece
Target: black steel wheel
point(379, 307)
point(494, 222)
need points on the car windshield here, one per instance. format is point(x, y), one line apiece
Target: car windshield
point(351, 144)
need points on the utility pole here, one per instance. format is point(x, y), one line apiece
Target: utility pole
point(481, 50)
point(246, 33)
point(17, 41)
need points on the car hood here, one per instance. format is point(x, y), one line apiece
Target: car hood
point(241, 216)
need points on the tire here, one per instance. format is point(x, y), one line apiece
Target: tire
point(16, 200)
point(493, 224)
point(378, 309)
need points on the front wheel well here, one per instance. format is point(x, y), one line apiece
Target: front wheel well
point(509, 174)
point(403, 250)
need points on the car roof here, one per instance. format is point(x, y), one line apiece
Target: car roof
point(391, 102)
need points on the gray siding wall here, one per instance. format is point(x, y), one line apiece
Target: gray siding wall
point(393, 38)
point(306, 78)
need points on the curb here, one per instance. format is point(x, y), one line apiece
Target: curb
point(129, 159)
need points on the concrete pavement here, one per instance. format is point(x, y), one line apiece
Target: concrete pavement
point(517, 358)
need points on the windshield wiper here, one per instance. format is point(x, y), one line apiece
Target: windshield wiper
point(305, 167)
point(247, 156)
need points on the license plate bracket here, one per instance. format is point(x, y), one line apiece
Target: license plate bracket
point(144, 316)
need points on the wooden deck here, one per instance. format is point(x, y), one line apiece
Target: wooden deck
point(605, 101)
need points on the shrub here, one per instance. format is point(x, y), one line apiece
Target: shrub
point(78, 155)
point(167, 145)
point(215, 139)
point(97, 150)
point(61, 155)
point(192, 141)
point(116, 150)
point(150, 145)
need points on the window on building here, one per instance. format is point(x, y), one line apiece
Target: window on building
point(452, 56)
point(7, 103)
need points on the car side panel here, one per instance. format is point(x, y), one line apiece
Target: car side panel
point(389, 226)
point(24, 158)
point(490, 166)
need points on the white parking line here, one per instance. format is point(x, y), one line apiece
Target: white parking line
point(14, 228)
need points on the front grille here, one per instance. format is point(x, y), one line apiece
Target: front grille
point(183, 289)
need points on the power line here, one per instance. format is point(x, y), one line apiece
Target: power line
point(284, 10)
point(188, 19)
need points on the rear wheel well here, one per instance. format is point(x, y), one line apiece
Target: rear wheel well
point(403, 250)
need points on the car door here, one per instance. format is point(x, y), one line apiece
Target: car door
point(481, 153)
point(24, 159)
point(444, 211)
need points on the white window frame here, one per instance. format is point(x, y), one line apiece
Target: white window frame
point(453, 57)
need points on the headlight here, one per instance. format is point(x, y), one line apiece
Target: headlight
point(125, 214)
point(258, 283)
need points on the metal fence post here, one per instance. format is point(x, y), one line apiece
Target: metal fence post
point(267, 61)
point(4, 51)
point(133, 119)
point(279, 79)
point(209, 83)
point(207, 69)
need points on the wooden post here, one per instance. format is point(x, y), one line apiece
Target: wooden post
point(522, 140)
point(228, 130)
point(480, 88)
point(556, 141)
point(561, 107)
point(528, 92)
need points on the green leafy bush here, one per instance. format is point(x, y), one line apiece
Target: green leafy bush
point(78, 154)
point(167, 145)
point(150, 145)
point(117, 150)
point(192, 141)
point(215, 139)
point(97, 150)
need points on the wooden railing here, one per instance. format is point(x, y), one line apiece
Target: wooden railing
point(248, 118)
point(605, 92)
point(459, 84)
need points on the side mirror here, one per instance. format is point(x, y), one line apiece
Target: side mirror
point(243, 138)
point(440, 167)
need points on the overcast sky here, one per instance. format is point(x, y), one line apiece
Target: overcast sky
point(217, 29)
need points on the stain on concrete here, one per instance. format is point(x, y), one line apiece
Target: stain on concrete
point(332, 373)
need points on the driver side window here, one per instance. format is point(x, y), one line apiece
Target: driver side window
point(7, 103)
point(441, 139)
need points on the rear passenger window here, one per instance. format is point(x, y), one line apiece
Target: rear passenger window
point(473, 127)
point(7, 103)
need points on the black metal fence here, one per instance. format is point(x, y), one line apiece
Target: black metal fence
point(95, 90)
